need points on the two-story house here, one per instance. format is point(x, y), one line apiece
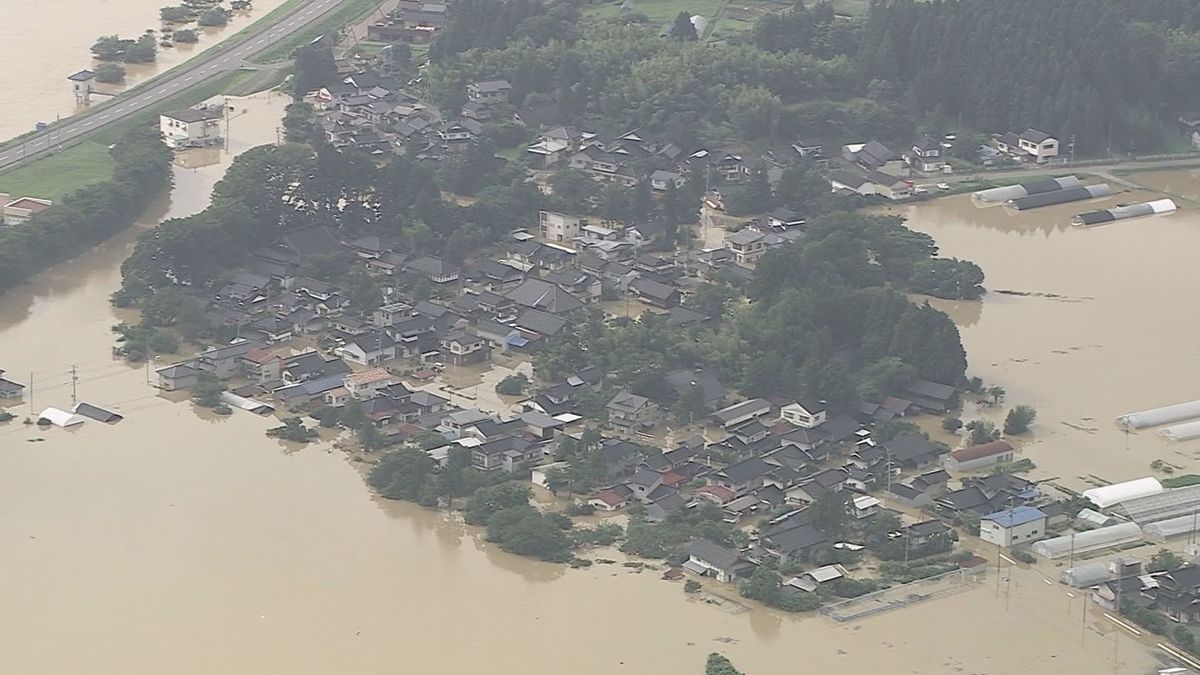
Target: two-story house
point(488, 92)
point(462, 348)
point(925, 155)
point(629, 413)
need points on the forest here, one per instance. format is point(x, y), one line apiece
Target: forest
point(1112, 74)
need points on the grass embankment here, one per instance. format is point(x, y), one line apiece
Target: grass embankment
point(348, 13)
point(56, 175)
point(87, 162)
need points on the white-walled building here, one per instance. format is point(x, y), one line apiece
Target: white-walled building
point(558, 227)
point(1011, 527)
point(194, 127)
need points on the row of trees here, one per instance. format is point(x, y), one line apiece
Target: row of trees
point(91, 214)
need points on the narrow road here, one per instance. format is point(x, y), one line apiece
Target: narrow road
point(1102, 170)
point(191, 73)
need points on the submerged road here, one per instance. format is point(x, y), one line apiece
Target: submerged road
point(259, 37)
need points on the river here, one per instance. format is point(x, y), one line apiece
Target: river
point(40, 47)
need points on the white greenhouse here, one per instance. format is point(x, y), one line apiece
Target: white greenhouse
point(1092, 540)
point(1111, 495)
point(1156, 416)
point(1165, 529)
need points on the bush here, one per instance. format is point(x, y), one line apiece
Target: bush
point(110, 72)
point(186, 36)
point(1024, 556)
point(691, 586)
point(952, 424)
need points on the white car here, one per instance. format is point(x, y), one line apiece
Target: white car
point(920, 190)
point(943, 186)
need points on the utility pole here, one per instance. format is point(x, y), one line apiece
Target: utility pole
point(74, 385)
point(31, 393)
point(1072, 148)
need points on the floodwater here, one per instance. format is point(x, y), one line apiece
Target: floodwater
point(41, 43)
point(176, 544)
point(1083, 323)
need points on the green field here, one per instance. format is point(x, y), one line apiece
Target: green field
point(59, 174)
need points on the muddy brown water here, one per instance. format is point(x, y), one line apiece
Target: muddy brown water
point(1083, 323)
point(179, 544)
point(42, 42)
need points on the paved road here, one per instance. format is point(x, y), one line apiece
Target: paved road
point(187, 75)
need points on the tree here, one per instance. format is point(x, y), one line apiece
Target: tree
point(513, 385)
point(830, 514)
point(177, 14)
point(185, 36)
point(110, 72)
point(522, 530)
point(489, 500)
point(711, 299)
point(763, 586)
point(981, 431)
point(691, 586)
point(683, 30)
point(951, 424)
point(719, 665)
point(207, 390)
point(363, 292)
point(1018, 419)
point(1164, 561)
point(143, 50)
point(401, 474)
point(314, 68)
point(214, 16)
point(949, 278)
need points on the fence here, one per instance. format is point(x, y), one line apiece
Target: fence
point(902, 595)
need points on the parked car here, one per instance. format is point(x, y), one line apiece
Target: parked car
point(943, 186)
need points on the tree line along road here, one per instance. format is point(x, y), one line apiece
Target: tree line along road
point(189, 74)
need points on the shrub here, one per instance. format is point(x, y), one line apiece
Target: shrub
point(110, 72)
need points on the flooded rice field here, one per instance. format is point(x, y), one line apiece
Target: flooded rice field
point(1083, 323)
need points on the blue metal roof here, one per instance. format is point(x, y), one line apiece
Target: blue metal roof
point(1015, 516)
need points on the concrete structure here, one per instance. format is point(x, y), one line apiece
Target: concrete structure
point(980, 456)
point(81, 86)
point(20, 210)
point(193, 127)
point(559, 227)
point(1010, 527)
